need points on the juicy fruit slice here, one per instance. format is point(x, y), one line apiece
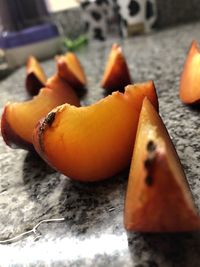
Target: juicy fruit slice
point(60, 85)
point(70, 69)
point(35, 76)
point(116, 75)
point(95, 142)
point(19, 119)
point(158, 197)
point(190, 78)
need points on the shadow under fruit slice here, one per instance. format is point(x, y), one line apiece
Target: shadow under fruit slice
point(19, 119)
point(35, 76)
point(95, 142)
point(70, 69)
point(189, 91)
point(158, 197)
point(116, 75)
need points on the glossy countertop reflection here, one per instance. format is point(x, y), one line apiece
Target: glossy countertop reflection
point(91, 232)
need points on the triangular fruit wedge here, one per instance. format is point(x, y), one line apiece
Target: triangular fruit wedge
point(71, 70)
point(94, 142)
point(35, 76)
point(158, 197)
point(116, 75)
point(190, 79)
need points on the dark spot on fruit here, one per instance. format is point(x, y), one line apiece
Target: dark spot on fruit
point(151, 146)
point(147, 163)
point(40, 134)
point(134, 8)
point(47, 122)
point(149, 180)
point(50, 118)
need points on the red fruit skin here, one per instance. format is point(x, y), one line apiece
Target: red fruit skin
point(71, 79)
point(32, 84)
point(118, 76)
point(161, 218)
point(10, 137)
point(189, 90)
point(158, 197)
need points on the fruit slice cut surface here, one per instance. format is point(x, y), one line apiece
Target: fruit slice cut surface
point(158, 197)
point(190, 79)
point(95, 142)
point(70, 69)
point(116, 75)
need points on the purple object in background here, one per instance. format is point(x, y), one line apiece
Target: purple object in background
point(28, 36)
point(26, 29)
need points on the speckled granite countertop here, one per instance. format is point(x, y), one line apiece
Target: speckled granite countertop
point(92, 233)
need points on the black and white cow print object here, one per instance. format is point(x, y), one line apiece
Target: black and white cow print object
point(136, 16)
point(96, 16)
point(131, 16)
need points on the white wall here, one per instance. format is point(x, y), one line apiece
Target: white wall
point(58, 5)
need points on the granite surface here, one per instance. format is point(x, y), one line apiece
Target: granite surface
point(92, 233)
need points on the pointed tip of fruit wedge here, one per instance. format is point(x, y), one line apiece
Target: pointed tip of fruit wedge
point(116, 75)
point(59, 85)
point(71, 70)
point(189, 91)
point(35, 76)
point(158, 197)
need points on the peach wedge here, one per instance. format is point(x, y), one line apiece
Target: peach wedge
point(35, 76)
point(190, 79)
point(70, 69)
point(60, 85)
point(158, 197)
point(19, 119)
point(116, 75)
point(95, 142)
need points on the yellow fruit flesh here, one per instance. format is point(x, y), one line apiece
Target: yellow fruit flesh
point(95, 142)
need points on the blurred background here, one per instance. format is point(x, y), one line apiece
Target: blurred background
point(44, 28)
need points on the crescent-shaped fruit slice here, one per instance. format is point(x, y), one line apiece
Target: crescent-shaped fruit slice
point(158, 197)
point(94, 142)
point(35, 76)
point(19, 119)
point(116, 75)
point(190, 79)
point(71, 70)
